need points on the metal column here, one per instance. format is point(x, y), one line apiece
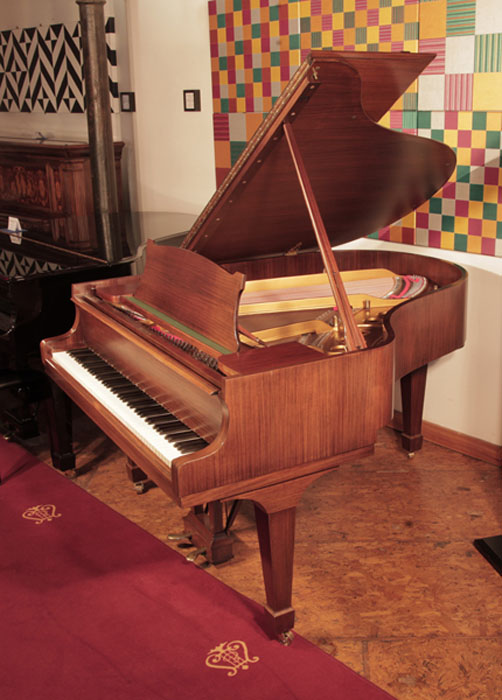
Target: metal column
point(99, 122)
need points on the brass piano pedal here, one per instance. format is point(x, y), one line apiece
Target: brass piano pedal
point(193, 555)
point(179, 536)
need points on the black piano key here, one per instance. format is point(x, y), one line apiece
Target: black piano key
point(181, 434)
point(180, 439)
point(125, 391)
point(170, 429)
point(100, 374)
point(168, 421)
point(162, 419)
point(192, 445)
point(96, 364)
point(153, 411)
point(138, 397)
point(117, 382)
point(82, 352)
point(140, 410)
point(92, 363)
point(138, 402)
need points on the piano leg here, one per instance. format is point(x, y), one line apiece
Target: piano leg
point(276, 535)
point(59, 423)
point(275, 509)
point(412, 394)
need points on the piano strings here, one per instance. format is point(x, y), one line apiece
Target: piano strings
point(380, 289)
point(168, 335)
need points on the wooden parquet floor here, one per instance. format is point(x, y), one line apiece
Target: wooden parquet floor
point(386, 577)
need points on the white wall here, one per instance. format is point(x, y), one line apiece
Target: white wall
point(464, 388)
point(173, 149)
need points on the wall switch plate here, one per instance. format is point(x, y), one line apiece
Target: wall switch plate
point(127, 102)
point(191, 100)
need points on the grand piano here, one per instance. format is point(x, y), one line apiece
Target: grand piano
point(252, 360)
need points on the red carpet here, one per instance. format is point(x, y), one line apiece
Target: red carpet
point(92, 607)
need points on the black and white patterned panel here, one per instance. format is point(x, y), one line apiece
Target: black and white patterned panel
point(41, 69)
point(13, 265)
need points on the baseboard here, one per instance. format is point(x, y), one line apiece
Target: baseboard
point(465, 444)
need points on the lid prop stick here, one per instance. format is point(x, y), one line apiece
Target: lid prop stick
point(354, 337)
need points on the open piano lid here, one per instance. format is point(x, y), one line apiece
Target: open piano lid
point(363, 176)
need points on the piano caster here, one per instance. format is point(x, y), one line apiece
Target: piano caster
point(71, 473)
point(286, 638)
point(143, 486)
point(196, 553)
point(411, 455)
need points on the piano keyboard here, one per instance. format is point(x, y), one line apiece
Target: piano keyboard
point(165, 434)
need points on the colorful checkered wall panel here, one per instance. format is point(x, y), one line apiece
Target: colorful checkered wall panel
point(256, 45)
point(41, 69)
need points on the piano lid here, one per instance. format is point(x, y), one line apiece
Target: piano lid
point(363, 176)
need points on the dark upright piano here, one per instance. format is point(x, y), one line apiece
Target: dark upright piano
point(47, 187)
point(250, 361)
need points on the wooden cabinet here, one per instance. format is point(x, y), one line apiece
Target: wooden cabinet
point(48, 187)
